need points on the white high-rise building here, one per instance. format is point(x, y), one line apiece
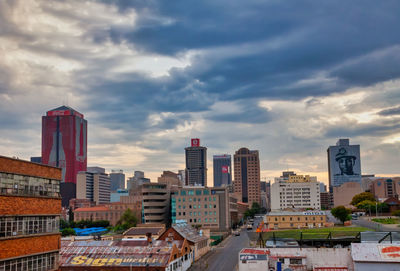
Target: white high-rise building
point(296, 194)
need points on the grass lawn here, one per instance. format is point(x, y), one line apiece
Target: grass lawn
point(386, 220)
point(316, 233)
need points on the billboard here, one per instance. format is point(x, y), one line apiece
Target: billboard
point(225, 169)
point(344, 164)
point(195, 142)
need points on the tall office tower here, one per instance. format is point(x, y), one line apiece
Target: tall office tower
point(30, 209)
point(344, 163)
point(94, 185)
point(222, 170)
point(196, 164)
point(247, 176)
point(117, 178)
point(64, 145)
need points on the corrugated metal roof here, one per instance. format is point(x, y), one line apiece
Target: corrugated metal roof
point(375, 252)
point(296, 213)
point(113, 253)
point(144, 230)
point(330, 269)
point(189, 233)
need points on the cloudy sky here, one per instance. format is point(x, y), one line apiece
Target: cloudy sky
point(285, 77)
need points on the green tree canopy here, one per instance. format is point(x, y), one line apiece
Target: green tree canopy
point(68, 232)
point(127, 220)
point(341, 213)
point(361, 197)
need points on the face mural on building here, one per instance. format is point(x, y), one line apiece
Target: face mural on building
point(344, 164)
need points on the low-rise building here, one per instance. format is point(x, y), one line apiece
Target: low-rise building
point(384, 188)
point(375, 256)
point(144, 231)
point(302, 259)
point(125, 255)
point(197, 240)
point(116, 196)
point(30, 209)
point(242, 208)
point(111, 212)
point(295, 220)
point(326, 200)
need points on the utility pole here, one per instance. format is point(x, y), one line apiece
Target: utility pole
point(376, 209)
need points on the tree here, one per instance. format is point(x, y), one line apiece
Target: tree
point(255, 207)
point(67, 232)
point(362, 197)
point(127, 220)
point(396, 213)
point(341, 213)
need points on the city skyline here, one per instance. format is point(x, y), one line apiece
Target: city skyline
point(287, 80)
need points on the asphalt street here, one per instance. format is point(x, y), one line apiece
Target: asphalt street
point(225, 257)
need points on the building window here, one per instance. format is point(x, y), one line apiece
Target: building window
point(295, 261)
point(190, 193)
point(28, 185)
point(25, 225)
point(47, 261)
point(198, 192)
point(206, 192)
point(183, 193)
point(205, 206)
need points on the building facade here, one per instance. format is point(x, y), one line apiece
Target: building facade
point(208, 207)
point(295, 220)
point(30, 209)
point(94, 186)
point(222, 170)
point(343, 194)
point(155, 203)
point(169, 178)
point(136, 180)
point(196, 164)
point(300, 195)
point(344, 163)
point(385, 187)
point(247, 176)
point(116, 196)
point(64, 145)
point(117, 178)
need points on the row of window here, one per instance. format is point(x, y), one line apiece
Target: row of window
point(197, 206)
point(198, 220)
point(42, 262)
point(24, 225)
point(298, 218)
point(197, 213)
point(197, 199)
point(198, 192)
point(28, 185)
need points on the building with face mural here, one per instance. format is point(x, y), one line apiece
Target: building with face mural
point(64, 145)
point(344, 163)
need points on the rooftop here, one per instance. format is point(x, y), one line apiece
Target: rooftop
point(375, 252)
point(188, 232)
point(296, 213)
point(144, 230)
point(92, 209)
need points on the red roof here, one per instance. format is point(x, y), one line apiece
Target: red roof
point(92, 209)
point(256, 251)
point(331, 269)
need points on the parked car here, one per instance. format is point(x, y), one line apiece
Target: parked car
point(236, 233)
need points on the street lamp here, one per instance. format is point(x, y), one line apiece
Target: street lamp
point(376, 209)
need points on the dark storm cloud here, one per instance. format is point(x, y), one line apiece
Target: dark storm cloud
point(390, 111)
point(354, 130)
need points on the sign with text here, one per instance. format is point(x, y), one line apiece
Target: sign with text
point(195, 142)
point(225, 169)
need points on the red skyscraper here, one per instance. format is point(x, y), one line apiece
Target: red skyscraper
point(64, 145)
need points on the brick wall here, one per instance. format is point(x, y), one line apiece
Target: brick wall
point(22, 167)
point(11, 205)
point(30, 245)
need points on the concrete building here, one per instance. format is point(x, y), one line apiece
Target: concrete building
point(295, 220)
point(242, 208)
point(247, 176)
point(117, 178)
point(182, 176)
point(93, 185)
point(64, 145)
point(137, 180)
point(155, 202)
point(111, 212)
point(144, 231)
point(116, 196)
point(222, 166)
point(302, 259)
point(344, 163)
point(343, 194)
point(196, 163)
point(204, 206)
point(30, 209)
point(169, 178)
point(384, 188)
point(301, 195)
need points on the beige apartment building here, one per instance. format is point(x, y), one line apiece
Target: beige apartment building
point(383, 188)
point(246, 181)
point(295, 220)
point(206, 207)
point(94, 186)
point(299, 195)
